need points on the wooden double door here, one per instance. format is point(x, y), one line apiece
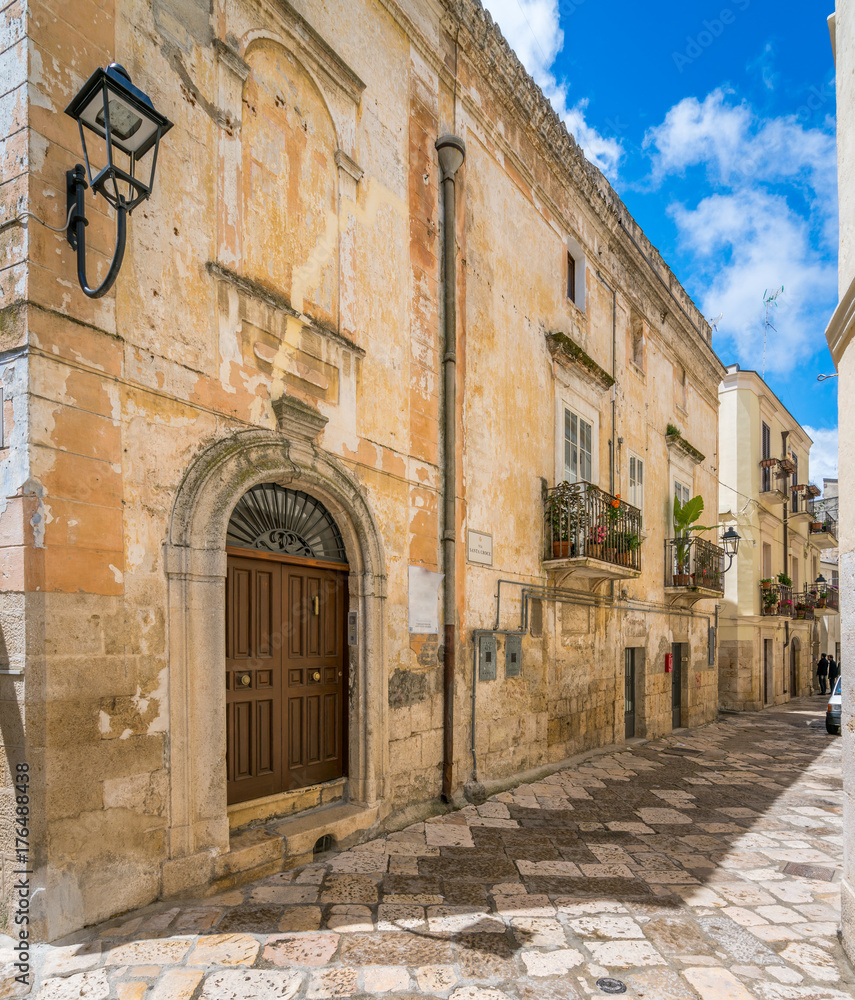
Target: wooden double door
point(286, 676)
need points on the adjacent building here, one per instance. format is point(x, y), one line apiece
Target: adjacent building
point(840, 342)
point(354, 494)
point(776, 599)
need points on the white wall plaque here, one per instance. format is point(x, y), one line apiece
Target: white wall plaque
point(424, 600)
point(479, 548)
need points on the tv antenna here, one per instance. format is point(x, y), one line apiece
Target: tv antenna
point(714, 322)
point(769, 299)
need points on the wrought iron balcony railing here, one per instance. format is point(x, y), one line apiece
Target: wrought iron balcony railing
point(776, 600)
point(583, 521)
point(821, 521)
point(824, 598)
point(694, 562)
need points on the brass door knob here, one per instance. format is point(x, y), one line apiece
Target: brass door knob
point(245, 680)
point(316, 675)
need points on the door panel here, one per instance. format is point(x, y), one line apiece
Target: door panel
point(629, 693)
point(285, 676)
point(253, 680)
point(677, 685)
point(316, 674)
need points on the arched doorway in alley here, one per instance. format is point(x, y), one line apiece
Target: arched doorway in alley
point(286, 655)
point(207, 558)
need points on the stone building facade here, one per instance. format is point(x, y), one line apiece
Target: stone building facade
point(232, 484)
point(839, 335)
point(770, 629)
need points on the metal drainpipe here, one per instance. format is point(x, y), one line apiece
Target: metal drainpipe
point(452, 152)
point(613, 441)
point(784, 437)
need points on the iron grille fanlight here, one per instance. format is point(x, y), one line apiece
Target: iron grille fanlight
point(275, 519)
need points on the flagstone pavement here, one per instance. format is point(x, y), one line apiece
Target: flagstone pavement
point(662, 864)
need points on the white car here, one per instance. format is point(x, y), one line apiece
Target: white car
point(832, 713)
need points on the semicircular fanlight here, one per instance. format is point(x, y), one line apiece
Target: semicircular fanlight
point(275, 519)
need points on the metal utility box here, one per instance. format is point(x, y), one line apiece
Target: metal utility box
point(486, 657)
point(513, 655)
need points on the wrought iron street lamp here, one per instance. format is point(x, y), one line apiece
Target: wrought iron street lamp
point(123, 116)
point(730, 544)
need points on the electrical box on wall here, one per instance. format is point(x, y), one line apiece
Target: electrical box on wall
point(513, 655)
point(486, 657)
point(669, 663)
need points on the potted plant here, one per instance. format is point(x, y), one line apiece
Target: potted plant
point(563, 516)
point(631, 542)
point(784, 580)
point(685, 516)
point(800, 610)
point(594, 542)
point(766, 584)
point(770, 601)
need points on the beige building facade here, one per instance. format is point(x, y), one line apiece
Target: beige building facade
point(839, 335)
point(283, 559)
point(776, 606)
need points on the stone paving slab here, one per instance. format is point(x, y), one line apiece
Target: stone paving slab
point(663, 864)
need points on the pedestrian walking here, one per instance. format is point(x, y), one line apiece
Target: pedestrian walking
point(833, 672)
point(822, 672)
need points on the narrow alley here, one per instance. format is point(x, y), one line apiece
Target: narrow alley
point(703, 865)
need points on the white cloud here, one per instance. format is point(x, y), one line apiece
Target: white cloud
point(823, 453)
point(533, 30)
point(738, 147)
point(771, 221)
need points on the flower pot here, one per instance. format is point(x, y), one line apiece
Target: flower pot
point(766, 586)
point(681, 579)
point(560, 550)
point(594, 550)
point(816, 525)
point(611, 555)
point(820, 602)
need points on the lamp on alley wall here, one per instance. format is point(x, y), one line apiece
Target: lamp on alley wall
point(109, 105)
point(730, 543)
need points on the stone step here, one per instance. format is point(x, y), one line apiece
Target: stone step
point(345, 823)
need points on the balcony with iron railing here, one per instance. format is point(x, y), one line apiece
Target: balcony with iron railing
point(800, 497)
point(823, 526)
point(694, 569)
point(823, 598)
point(776, 600)
point(591, 533)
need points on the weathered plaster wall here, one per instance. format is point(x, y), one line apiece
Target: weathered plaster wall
point(251, 274)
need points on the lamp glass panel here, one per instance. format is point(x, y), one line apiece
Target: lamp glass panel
point(123, 122)
point(128, 128)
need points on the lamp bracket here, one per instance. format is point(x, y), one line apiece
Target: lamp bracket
point(76, 233)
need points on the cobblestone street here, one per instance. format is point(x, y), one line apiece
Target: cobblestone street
point(703, 865)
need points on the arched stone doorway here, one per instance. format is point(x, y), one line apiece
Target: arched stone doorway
point(286, 654)
point(197, 564)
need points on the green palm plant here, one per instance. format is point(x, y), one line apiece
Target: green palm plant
point(685, 516)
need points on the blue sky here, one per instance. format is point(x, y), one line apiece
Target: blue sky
point(715, 123)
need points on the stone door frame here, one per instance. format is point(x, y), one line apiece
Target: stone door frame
point(195, 560)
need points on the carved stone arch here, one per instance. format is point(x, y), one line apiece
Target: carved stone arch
point(195, 560)
point(289, 184)
point(252, 38)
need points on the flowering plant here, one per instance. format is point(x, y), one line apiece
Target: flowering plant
point(597, 534)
